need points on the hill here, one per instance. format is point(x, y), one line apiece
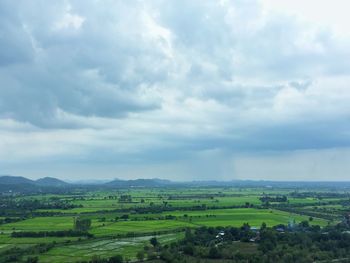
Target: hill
point(13, 180)
point(19, 184)
point(50, 181)
point(16, 184)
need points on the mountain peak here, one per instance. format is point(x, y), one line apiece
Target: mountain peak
point(50, 181)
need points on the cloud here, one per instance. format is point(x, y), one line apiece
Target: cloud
point(315, 165)
point(151, 83)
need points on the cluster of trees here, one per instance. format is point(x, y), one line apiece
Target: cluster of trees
point(306, 244)
point(126, 217)
point(7, 220)
point(97, 259)
point(111, 197)
point(275, 199)
point(59, 233)
point(125, 199)
point(16, 254)
point(9, 205)
point(166, 207)
point(197, 196)
point(319, 195)
point(82, 224)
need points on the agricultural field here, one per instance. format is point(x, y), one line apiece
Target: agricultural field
point(122, 221)
point(128, 247)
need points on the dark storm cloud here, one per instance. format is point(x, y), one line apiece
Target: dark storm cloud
point(57, 61)
point(161, 81)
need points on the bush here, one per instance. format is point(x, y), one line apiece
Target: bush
point(32, 260)
point(214, 253)
point(116, 259)
point(140, 255)
point(153, 241)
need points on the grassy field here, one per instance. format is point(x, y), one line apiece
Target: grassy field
point(103, 247)
point(237, 217)
point(139, 227)
point(217, 217)
point(39, 224)
point(119, 227)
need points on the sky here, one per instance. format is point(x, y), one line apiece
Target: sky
point(175, 89)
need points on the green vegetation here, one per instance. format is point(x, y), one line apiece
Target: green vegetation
point(102, 225)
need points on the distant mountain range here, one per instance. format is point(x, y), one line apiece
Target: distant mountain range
point(51, 181)
point(50, 184)
point(22, 184)
point(19, 180)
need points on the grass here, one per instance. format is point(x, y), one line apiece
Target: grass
point(69, 249)
point(138, 227)
point(255, 217)
point(217, 217)
point(128, 247)
point(39, 224)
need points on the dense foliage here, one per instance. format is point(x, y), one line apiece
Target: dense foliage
point(302, 244)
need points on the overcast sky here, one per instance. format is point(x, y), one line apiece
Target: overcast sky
point(183, 90)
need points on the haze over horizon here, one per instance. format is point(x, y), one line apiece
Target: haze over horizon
point(179, 90)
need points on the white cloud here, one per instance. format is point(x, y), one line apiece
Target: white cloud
point(69, 21)
point(315, 165)
point(328, 15)
point(154, 84)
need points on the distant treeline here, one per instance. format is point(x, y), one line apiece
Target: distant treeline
point(10, 220)
point(277, 199)
point(61, 233)
point(33, 204)
point(200, 196)
point(319, 195)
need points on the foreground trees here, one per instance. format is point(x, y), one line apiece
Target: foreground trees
point(303, 244)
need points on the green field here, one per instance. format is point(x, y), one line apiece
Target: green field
point(218, 217)
point(105, 247)
point(39, 224)
point(125, 226)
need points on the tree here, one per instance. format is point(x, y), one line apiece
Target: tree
point(125, 199)
point(153, 241)
point(304, 224)
point(266, 246)
point(188, 249)
point(32, 260)
point(97, 259)
point(125, 217)
point(151, 255)
point(214, 253)
point(116, 259)
point(245, 227)
point(167, 256)
point(188, 235)
point(140, 255)
point(82, 224)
